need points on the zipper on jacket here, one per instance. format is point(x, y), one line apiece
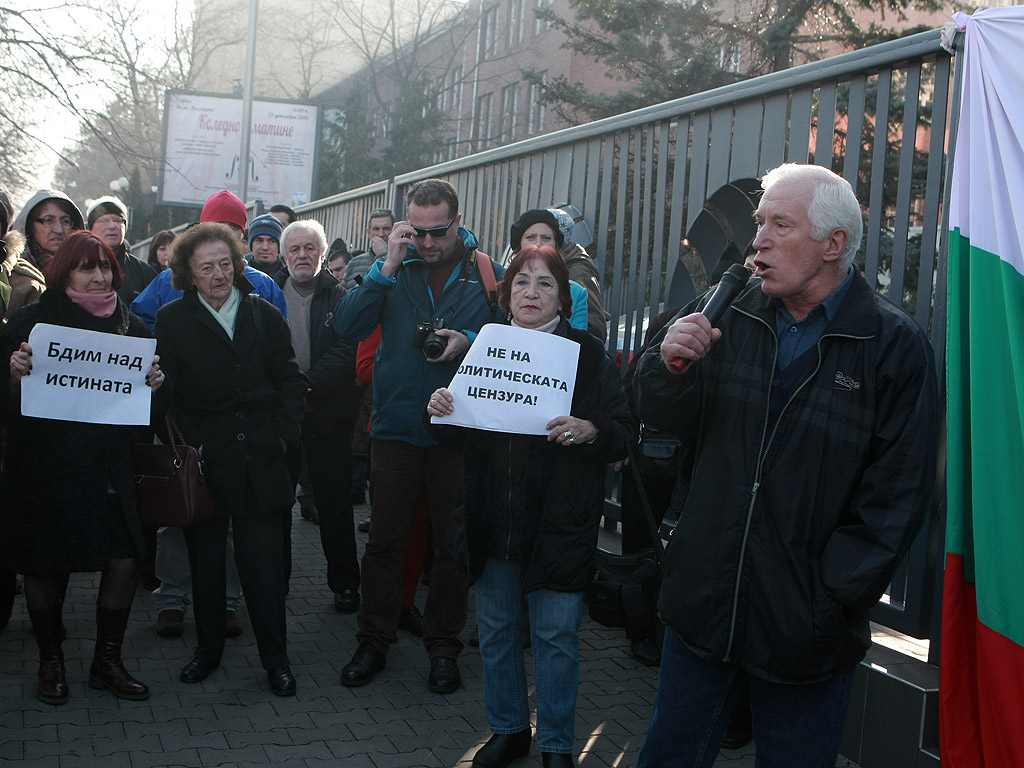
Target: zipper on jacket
point(762, 453)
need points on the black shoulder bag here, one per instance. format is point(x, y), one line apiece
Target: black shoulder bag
point(622, 588)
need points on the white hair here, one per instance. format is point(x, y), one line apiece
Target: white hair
point(833, 203)
point(306, 225)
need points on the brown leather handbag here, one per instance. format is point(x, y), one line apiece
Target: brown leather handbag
point(169, 481)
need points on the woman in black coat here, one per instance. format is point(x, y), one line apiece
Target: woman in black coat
point(68, 491)
point(531, 510)
point(237, 391)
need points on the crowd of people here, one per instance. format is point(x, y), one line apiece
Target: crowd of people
point(312, 372)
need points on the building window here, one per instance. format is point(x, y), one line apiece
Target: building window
point(489, 33)
point(516, 22)
point(509, 112)
point(455, 89)
point(537, 107)
point(542, 25)
point(482, 123)
point(729, 58)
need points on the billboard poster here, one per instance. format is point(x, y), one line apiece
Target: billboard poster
point(202, 142)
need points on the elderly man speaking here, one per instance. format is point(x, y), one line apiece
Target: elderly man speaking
point(811, 413)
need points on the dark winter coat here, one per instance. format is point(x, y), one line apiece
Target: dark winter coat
point(236, 398)
point(583, 270)
point(137, 274)
point(537, 502)
point(334, 392)
point(790, 532)
point(54, 492)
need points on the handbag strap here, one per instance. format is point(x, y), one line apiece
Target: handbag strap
point(645, 504)
point(173, 432)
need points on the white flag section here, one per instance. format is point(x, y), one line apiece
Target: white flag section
point(99, 378)
point(513, 380)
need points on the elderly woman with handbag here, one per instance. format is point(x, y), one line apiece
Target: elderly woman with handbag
point(68, 495)
point(237, 391)
point(531, 512)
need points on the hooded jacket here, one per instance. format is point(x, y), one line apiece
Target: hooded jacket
point(21, 221)
point(791, 531)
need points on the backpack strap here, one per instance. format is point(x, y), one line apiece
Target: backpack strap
point(485, 267)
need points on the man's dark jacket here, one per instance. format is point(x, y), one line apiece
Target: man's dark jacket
point(791, 532)
point(334, 393)
point(137, 274)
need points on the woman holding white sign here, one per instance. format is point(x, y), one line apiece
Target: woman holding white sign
point(531, 510)
point(68, 488)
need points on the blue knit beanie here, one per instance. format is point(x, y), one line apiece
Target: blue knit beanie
point(265, 225)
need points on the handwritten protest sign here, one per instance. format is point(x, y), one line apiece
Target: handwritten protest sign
point(77, 375)
point(513, 380)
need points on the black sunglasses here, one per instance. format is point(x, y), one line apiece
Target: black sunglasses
point(435, 232)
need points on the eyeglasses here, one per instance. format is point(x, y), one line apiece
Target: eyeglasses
point(435, 232)
point(54, 222)
point(112, 218)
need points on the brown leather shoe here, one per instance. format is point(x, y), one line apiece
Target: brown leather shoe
point(169, 623)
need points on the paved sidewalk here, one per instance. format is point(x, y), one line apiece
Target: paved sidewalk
point(232, 719)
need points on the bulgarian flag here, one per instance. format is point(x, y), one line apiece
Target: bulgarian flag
point(981, 710)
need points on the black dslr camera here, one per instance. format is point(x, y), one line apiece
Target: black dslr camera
point(428, 340)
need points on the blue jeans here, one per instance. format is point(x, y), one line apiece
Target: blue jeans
point(554, 630)
point(794, 725)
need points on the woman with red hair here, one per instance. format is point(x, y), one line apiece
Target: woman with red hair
point(68, 490)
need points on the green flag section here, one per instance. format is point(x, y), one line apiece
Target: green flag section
point(982, 657)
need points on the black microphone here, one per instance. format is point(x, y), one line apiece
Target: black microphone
point(733, 281)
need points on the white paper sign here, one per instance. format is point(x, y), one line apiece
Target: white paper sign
point(513, 380)
point(77, 375)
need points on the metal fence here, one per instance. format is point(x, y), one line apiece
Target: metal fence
point(653, 184)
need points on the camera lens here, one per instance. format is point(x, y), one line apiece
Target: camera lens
point(434, 346)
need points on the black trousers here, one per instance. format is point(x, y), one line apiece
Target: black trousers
point(329, 457)
point(259, 555)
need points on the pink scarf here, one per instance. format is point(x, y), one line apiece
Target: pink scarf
point(98, 304)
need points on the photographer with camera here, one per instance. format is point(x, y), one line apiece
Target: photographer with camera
point(430, 295)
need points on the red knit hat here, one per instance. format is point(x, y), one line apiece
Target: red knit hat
point(223, 206)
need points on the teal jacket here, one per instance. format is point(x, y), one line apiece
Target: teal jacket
point(403, 378)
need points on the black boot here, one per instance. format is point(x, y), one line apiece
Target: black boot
point(53, 685)
point(107, 670)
